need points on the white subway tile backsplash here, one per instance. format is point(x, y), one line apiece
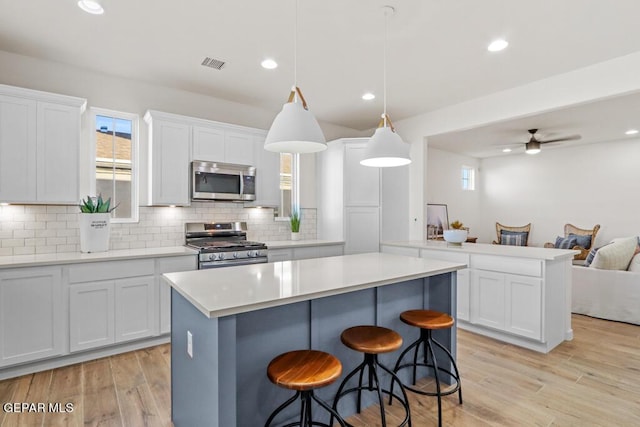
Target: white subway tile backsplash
point(49, 229)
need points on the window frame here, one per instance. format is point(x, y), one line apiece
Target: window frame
point(295, 187)
point(470, 183)
point(135, 159)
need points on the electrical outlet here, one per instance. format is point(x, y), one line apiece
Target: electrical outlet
point(190, 344)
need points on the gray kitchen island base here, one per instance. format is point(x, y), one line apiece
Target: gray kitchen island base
point(225, 384)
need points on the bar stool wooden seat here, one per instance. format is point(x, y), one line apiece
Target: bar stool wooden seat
point(305, 371)
point(372, 340)
point(428, 321)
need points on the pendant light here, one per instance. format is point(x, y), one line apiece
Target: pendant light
point(295, 129)
point(386, 148)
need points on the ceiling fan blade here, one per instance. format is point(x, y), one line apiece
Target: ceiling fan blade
point(566, 138)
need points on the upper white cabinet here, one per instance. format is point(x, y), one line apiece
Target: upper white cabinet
point(39, 146)
point(175, 141)
point(352, 198)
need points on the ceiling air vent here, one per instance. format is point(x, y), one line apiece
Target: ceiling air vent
point(213, 63)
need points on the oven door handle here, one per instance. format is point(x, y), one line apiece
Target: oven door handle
point(241, 184)
point(232, 262)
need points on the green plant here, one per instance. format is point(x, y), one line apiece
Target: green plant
point(96, 205)
point(456, 225)
point(295, 220)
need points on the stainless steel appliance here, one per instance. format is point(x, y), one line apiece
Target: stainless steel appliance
point(223, 244)
point(222, 181)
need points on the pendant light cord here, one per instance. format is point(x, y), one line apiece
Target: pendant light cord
point(384, 67)
point(295, 49)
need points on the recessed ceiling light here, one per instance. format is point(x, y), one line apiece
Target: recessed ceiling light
point(631, 132)
point(91, 6)
point(368, 96)
point(269, 64)
point(506, 150)
point(497, 45)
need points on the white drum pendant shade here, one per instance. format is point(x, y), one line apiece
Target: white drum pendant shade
point(295, 130)
point(386, 149)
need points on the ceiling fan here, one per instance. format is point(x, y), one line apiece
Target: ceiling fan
point(533, 146)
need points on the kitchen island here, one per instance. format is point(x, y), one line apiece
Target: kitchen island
point(517, 294)
point(227, 324)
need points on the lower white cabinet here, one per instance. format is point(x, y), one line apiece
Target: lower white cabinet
point(304, 252)
point(136, 308)
point(169, 265)
point(31, 314)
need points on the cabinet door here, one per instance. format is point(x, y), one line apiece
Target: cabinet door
point(169, 163)
point(276, 255)
point(332, 250)
point(17, 149)
point(362, 183)
point(31, 314)
point(91, 315)
point(488, 299)
point(208, 144)
point(136, 308)
point(238, 148)
point(168, 265)
point(524, 306)
point(267, 175)
point(463, 309)
point(306, 252)
point(362, 230)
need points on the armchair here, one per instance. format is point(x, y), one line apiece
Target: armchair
point(509, 235)
point(570, 229)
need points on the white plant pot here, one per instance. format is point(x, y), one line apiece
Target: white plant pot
point(94, 231)
point(295, 236)
point(455, 236)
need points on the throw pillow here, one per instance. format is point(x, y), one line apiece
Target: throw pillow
point(589, 259)
point(513, 238)
point(566, 242)
point(582, 240)
point(635, 263)
point(616, 255)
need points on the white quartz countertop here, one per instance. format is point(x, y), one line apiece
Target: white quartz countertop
point(77, 257)
point(225, 291)
point(487, 249)
point(285, 244)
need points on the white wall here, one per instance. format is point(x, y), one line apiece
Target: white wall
point(583, 185)
point(444, 187)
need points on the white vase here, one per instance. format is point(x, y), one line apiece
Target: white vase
point(455, 236)
point(94, 231)
point(295, 236)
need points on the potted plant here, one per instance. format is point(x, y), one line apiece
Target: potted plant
point(95, 223)
point(295, 224)
point(456, 234)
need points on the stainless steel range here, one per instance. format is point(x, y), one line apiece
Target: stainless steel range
point(223, 244)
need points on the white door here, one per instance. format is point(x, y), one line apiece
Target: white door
point(31, 317)
point(524, 306)
point(58, 157)
point(91, 315)
point(170, 163)
point(17, 149)
point(488, 299)
point(136, 308)
point(208, 144)
point(238, 148)
point(362, 230)
point(362, 183)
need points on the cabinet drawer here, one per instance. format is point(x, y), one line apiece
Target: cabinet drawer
point(522, 266)
point(106, 270)
point(445, 256)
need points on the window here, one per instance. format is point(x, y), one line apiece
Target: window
point(289, 182)
point(468, 178)
point(116, 157)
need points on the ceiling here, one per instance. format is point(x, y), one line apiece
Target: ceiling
point(437, 49)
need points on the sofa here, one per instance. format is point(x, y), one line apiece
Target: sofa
point(609, 288)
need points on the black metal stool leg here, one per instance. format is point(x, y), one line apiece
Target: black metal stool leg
point(455, 368)
point(436, 376)
point(394, 378)
point(280, 408)
point(397, 367)
point(374, 376)
point(331, 411)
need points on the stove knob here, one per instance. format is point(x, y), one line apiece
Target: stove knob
point(219, 257)
point(235, 254)
point(251, 254)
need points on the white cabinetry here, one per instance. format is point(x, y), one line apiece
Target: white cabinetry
point(111, 302)
point(304, 252)
point(31, 314)
point(39, 146)
point(208, 144)
point(169, 265)
point(462, 279)
point(352, 197)
point(267, 174)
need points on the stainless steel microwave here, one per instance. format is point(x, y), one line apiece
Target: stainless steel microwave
point(222, 181)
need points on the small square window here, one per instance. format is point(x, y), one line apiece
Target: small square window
point(468, 178)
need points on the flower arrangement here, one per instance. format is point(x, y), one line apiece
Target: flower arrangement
point(295, 220)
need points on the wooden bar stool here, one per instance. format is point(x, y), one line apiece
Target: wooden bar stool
point(305, 371)
point(373, 340)
point(427, 321)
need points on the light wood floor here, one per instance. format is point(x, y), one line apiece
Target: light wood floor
point(593, 380)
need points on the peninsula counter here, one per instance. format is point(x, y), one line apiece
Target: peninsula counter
point(228, 323)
